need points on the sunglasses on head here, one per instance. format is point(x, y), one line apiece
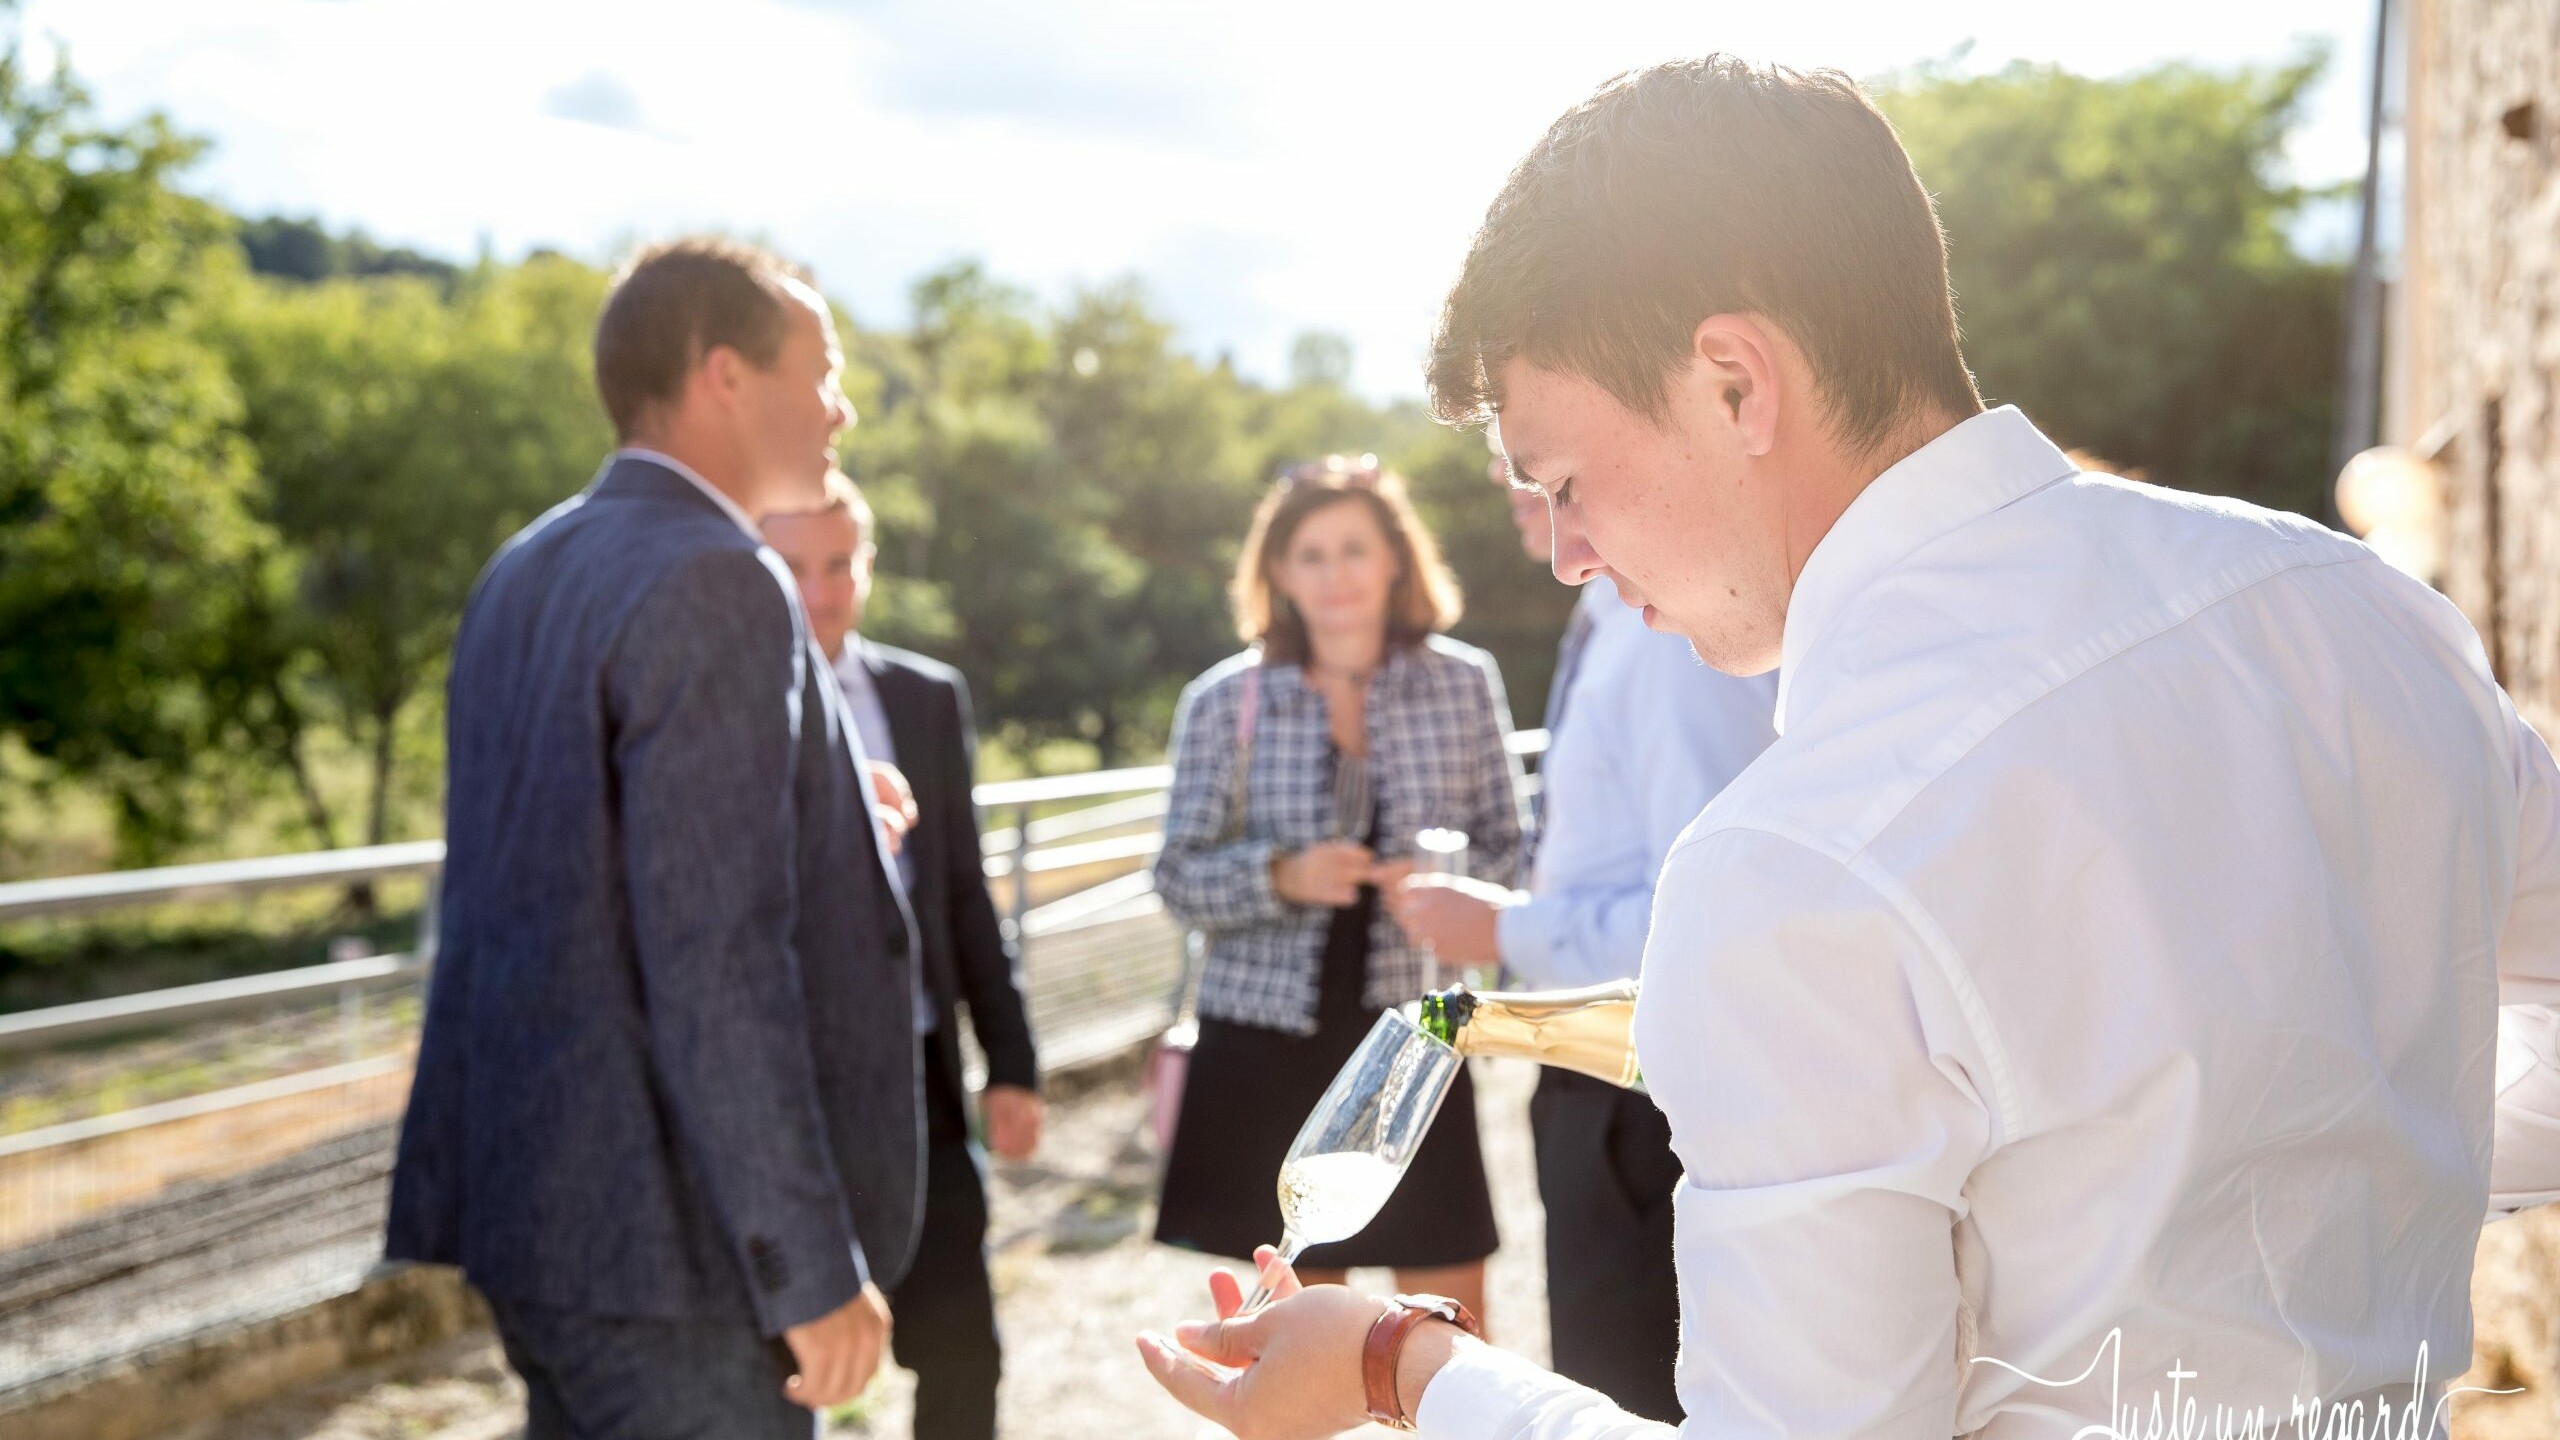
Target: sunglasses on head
point(1357, 472)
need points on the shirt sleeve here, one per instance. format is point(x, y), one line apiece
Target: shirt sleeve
point(1494, 829)
point(1654, 736)
point(2525, 1165)
point(1818, 1076)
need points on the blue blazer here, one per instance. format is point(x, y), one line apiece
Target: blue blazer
point(669, 1067)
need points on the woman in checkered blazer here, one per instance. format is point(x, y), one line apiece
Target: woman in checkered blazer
point(1366, 725)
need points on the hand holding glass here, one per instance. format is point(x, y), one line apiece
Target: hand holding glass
point(1438, 856)
point(1358, 1140)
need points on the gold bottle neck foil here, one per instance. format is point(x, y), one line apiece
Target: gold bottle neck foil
point(1590, 1031)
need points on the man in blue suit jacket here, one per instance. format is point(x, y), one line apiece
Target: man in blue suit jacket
point(666, 1114)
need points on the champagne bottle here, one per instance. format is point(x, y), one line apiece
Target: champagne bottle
point(1589, 1031)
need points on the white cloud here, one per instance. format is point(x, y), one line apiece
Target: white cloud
point(1267, 169)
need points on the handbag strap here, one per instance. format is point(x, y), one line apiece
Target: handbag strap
point(1239, 785)
point(1248, 716)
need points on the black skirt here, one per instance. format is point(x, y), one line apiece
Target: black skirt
point(1249, 1090)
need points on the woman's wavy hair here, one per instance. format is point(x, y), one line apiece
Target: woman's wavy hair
point(1425, 599)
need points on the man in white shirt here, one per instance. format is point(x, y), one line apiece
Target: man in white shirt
point(1640, 737)
point(2086, 1009)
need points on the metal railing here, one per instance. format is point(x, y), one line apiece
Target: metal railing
point(1029, 846)
point(1016, 852)
point(227, 1142)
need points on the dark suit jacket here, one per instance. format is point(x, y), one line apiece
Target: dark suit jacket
point(669, 1067)
point(966, 955)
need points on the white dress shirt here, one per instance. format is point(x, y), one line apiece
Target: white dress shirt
point(1645, 739)
point(2112, 943)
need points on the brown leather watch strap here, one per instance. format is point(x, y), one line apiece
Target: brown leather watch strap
point(1384, 1350)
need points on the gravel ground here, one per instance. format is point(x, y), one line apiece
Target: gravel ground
point(1076, 1279)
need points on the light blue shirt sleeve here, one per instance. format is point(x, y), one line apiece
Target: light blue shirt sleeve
point(1650, 735)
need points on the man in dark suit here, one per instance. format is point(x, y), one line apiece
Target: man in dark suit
point(666, 1114)
point(915, 712)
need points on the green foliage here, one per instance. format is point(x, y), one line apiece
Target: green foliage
point(2121, 270)
point(240, 512)
point(400, 435)
point(122, 487)
point(303, 250)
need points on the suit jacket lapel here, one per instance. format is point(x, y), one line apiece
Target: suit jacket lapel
point(911, 731)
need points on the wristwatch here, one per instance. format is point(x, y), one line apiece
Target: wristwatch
point(1385, 1348)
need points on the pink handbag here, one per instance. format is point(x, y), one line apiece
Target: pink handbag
point(1169, 1064)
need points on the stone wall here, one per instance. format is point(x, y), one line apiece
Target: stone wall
point(2477, 351)
point(2474, 380)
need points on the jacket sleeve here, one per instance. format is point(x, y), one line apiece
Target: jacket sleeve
point(703, 689)
point(1494, 827)
point(986, 960)
point(1208, 882)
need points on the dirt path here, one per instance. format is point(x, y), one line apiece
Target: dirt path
point(1075, 1276)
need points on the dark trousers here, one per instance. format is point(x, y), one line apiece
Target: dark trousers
point(603, 1377)
point(945, 1310)
point(1606, 1174)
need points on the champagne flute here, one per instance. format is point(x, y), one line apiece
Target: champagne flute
point(1439, 856)
point(1356, 1143)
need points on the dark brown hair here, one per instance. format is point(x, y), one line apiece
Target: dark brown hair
point(673, 304)
point(1425, 598)
point(1705, 187)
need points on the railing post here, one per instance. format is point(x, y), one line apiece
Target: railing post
point(430, 913)
point(350, 1023)
point(1021, 865)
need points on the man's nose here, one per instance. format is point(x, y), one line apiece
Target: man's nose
point(1574, 561)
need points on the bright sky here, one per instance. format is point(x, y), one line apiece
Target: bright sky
point(1265, 168)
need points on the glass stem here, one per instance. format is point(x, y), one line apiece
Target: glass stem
point(1290, 1246)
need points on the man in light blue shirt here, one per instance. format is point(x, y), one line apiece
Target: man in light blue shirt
point(1641, 737)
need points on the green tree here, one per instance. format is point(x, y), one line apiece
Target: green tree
point(1515, 608)
point(401, 436)
point(2121, 267)
point(123, 526)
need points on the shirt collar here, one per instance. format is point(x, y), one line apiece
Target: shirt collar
point(1288, 680)
point(1978, 466)
point(728, 507)
point(849, 664)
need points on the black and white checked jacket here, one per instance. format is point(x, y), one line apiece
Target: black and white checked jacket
point(1437, 721)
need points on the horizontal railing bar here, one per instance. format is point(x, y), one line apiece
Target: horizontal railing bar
point(218, 879)
point(34, 1029)
point(73, 1132)
point(188, 1108)
point(224, 879)
point(1077, 822)
point(1091, 852)
point(1067, 912)
point(1086, 786)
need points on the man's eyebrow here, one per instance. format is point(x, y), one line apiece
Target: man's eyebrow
point(1520, 476)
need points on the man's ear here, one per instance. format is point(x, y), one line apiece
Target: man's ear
point(722, 373)
point(1735, 366)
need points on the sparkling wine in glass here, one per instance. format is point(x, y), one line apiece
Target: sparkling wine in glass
point(1358, 1140)
point(1439, 856)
